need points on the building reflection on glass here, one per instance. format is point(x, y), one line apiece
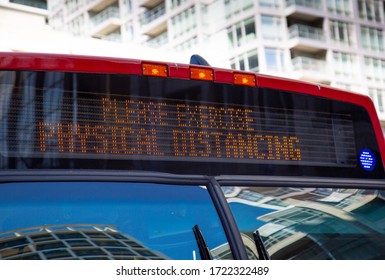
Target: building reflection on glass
point(76, 242)
point(312, 223)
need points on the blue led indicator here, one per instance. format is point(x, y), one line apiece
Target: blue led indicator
point(367, 160)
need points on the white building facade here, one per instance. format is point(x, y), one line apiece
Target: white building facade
point(24, 27)
point(335, 42)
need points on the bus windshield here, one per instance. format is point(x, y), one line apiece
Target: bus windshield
point(109, 220)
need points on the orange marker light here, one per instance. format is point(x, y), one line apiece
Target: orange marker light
point(155, 70)
point(244, 79)
point(201, 74)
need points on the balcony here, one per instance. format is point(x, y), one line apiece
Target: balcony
point(153, 21)
point(306, 38)
point(304, 9)
point(314, 4)
point(105, 21)
point(310, 69)
point(152, 14)
point(113, 37)
point(149, 3)
point(158, 41)
point(99, 5)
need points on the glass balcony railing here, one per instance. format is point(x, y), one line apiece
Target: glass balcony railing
point(302, 63)
point(315, 4)
point(114, 37)
point(151, 15)
point(157, 41)
point(110, 12)
point(305, 31)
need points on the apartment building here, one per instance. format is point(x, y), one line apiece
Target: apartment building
point(24, 28)
point(335, 42)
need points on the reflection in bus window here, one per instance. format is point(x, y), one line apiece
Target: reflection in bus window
point(107, 220)
point(312, 223)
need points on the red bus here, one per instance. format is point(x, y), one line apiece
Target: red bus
point(108, 158)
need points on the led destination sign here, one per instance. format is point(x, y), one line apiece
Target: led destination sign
point(123, 121)
point(193, 131)
point(162, 130)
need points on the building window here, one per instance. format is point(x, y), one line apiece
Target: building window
point(276, 4)
point(234, 7)
point(109, 12)
point(73, 5)
point(339, 7)
point(151, 14)
point(176, 3)
point(184, 22)
point(272, 28)
point(158, 41)
point(242, 33)
point(252, 58)
point(274, 59)
point(372, 38)
point(375, 69)
point(341, 32)
point(114, 36)
point(371, 10)
point(205, 17)
point(377, 95)
point(247, 61)
point(187, 45)
point(344, 64)
point(242, 64)
point(127, 7)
